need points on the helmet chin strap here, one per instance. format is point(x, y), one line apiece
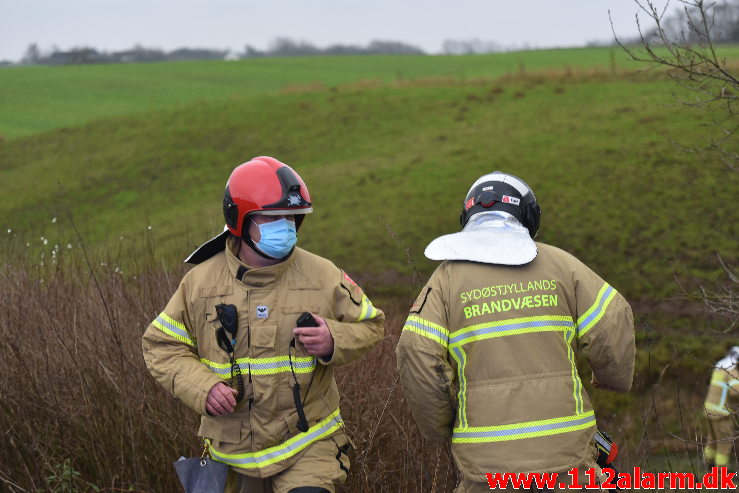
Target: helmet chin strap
point(247, 238)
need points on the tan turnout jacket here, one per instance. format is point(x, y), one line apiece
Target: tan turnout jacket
point(487, 358)
point(722, 409)
point(181, 351)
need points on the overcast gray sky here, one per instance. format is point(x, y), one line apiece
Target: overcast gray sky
point(231, 24)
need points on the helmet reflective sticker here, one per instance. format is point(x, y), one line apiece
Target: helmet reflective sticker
point(502, 192)
point(264, 185)
point(516, 183)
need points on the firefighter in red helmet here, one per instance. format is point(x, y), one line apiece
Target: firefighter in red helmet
point(251, 336)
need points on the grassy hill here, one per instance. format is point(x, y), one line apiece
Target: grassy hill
point(388, 160)
point(38, 99)
point(393, 162)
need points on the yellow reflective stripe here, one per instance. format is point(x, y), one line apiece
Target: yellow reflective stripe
point(722, 379)
point(717, 409)
point(285, 450)
point(709, 453)
point(428, 329)
point(519, 431)
point(365, 307)
point(514, 326)
point(593, 314)
point(576, 382)
point(461, 358)
point(718, 380)
point(502, 328)
point(264, 366)
point(368, 310)
point(261, 361)
point(173, 328)
point(721, 459)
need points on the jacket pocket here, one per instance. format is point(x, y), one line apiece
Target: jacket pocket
point(305, 284)
point(291, 425)
point(291, 313)
point(216, 291)
point(209, 298)
point(223, 430)
point(264, 335)
point(532, 399)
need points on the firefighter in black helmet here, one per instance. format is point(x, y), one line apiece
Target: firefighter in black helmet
point(487, 354)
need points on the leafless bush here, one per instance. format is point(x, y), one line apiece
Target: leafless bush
point(687, 45)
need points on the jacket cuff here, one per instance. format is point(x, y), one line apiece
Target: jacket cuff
point(203, 390)
point(330, 360)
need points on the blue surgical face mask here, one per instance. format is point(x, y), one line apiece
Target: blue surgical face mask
point(277, 237)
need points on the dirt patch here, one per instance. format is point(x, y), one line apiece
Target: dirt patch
point(303, 88)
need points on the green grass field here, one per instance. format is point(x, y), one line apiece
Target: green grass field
point(388, 148)
point(38, 99)
point(389, 162)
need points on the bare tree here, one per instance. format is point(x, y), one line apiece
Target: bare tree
point(686, 46)
point(32, 55)
point(470, 47)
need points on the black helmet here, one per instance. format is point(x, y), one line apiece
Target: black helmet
point(499, 191)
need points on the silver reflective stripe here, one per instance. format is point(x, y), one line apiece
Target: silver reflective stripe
point(427, 329)
point(595, 312)
point(278, 365)
point(285, 450)
point(510, 327)
point(263, 366)
point(172, 327)
point(460, 356)
point(518, 431)
point(368, 310)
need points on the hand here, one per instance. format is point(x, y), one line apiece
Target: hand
point(318, 341)
point(221, 400)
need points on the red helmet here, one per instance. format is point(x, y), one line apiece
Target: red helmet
point(267, 186)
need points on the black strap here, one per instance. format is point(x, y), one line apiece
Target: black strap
point(338, 459)
point(302, 421)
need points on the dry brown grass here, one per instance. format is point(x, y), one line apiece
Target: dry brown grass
point(74, 386)
point(78, 407)
point(75, 395)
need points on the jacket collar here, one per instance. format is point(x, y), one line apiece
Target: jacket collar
point(251, 276)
